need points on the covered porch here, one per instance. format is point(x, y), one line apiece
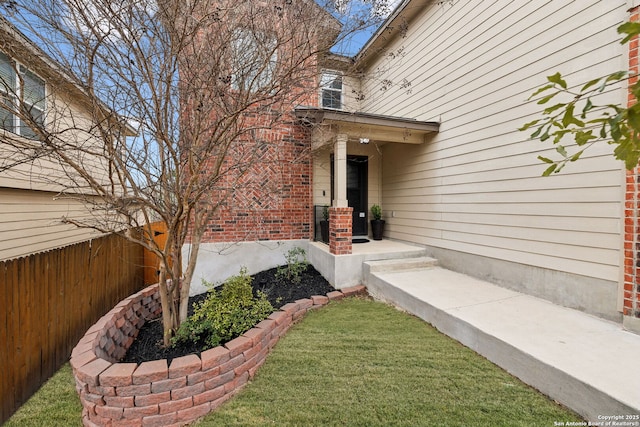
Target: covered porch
point(347, 171)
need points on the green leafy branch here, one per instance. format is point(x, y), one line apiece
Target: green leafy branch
point(585, 123)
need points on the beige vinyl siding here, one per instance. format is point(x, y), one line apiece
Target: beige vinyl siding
point(40, 174)
point(350, 90)
point(68, 118)
point(322, 177)
point(31, 210)
point(31, 221)
point(476, 186)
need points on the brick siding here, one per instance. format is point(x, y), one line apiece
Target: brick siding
point(631, 295)
point(273, 199)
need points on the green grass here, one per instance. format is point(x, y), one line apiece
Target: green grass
point(361, 363)
point(55, 404)
point(353, 363)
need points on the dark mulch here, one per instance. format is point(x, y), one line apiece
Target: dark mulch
point(147, 345)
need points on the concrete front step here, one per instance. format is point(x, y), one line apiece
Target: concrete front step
point(400, 264)
point(586, 363)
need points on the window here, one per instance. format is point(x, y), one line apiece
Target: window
point(29, 90)
point(7, 87)
point(33, 96)
point(254, 60)
point(331, 90)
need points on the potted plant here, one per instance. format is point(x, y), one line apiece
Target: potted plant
point(324, 224)
point(377, 223)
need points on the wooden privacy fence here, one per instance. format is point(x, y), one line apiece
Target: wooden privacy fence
point(151, 261)
point(47, 302)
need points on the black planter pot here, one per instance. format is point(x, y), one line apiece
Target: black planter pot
point(324, 231)
point(377, 228)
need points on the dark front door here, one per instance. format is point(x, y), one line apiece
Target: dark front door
point(357, 173)
point(357, 178)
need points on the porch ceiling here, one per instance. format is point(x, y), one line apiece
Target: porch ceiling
point(375, 127)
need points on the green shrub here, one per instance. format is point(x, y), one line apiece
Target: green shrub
point(225, 314)
point(325, 212)
point(376, 212)
point(296, 264)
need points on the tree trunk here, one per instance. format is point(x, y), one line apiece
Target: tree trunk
point(167, 303)
point(188, 276)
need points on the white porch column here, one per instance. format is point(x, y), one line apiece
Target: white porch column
point(340, 171)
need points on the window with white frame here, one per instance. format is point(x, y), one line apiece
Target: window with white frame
point(331, 90)
point(27, 91)
point(254, 60)
point(7, 89)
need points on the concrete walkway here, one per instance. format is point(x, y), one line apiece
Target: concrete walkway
point(587, 364)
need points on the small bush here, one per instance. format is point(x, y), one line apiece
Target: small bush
point(376, 212)
point(296, 264)
point(225, 314)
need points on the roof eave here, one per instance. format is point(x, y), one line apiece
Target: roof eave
point(370, 126)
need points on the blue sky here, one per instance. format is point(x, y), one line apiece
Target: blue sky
point(352, 44)
point(374, 10)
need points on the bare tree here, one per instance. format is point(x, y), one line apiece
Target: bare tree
point(176, 97)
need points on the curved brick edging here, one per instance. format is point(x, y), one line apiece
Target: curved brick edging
point(154, 394)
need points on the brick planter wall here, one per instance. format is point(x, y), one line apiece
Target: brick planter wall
point(157, 393)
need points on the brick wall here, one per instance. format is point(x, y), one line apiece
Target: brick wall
point(631, 296)
point(176, 393)
point(273, 198)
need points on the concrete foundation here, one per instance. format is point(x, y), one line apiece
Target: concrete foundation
point(631, 324)
point(587, 294)
point(219, 261)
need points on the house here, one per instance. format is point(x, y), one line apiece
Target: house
point(471, 192)
point(31, 180)
point(424, 121)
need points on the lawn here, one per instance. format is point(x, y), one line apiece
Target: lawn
point(55, 404)
point(358, 363)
